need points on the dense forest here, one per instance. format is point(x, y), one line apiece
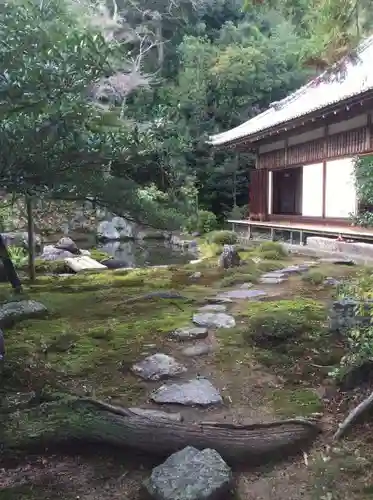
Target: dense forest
point(161, 77)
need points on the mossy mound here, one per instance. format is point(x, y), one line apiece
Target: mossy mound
point(275, 322)
point(271, 250)
point(295, 402)
point(314, 277)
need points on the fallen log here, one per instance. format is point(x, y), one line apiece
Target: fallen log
point(72, 421)
point(353, 416)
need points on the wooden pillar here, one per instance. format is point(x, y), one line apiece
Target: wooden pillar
point(326, 132)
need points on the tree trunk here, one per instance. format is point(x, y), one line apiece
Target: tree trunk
point(31, 239)
point(9, 267)
point(96, 422)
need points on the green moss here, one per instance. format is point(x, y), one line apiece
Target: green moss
point(296, 402)
point(99, 255)
point(267, 266)
point(238, 278)
point(277, 321)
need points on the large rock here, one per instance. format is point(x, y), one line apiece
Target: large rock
point(114, 263)
point(229, 257)
point(125, 228)
point(194, 392)
point(107, 231)
point(348, 313)
point(20, 239)
point(68, 244)
point(50, 252)
point(214, 320)
point(11, 312)
point(191, 474)
point(158, 366)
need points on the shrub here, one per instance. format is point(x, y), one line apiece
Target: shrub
point(202, 222)
point(222, 237)
point(268, 266)
point(237, 279)
point(271, 250)
point(314, 277)
point(238, 213)
point(274, 322)
point(18, 256)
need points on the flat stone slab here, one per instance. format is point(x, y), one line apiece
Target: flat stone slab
point(272, 281)
point(214, 320)
point(197, 350)
point(156, 414)
point(11, 312)
point(189, 333)
point(275, 274)
point(340, 262)
point(157, 367)
point(213, 307)
point(293, 270)
point(190, 474)
point(240, 293)
point(194, 392)
point(245, 286)
point(218, 300)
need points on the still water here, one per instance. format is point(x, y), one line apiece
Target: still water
point(142, 253)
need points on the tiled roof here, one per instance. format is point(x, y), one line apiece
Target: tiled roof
point(316, 95)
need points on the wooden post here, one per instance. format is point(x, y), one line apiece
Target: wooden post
point(9, 268)
point(31, 239)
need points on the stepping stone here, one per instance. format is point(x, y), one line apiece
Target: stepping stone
point(158, 366)
point(197, 350)
point(156, 414)
point(194, 392)
point(340, 262)
point(332, 282)
point(292, 270)
point(189, 333)
point(213, 307)
point(190, 474)
point(273, 278)
point(195, 275)
point(245, 286)
point(218, 300)
point(244, 294)
point(11, 312)
point(214, 320)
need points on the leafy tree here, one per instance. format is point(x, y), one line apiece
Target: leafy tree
point(63, 63)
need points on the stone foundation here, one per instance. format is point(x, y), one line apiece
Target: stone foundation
point(361, 251)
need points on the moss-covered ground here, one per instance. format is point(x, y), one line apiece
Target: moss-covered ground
point(95, 331)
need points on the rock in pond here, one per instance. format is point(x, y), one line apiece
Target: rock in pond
point(114, 263)
point(158, 366)
point(68, 244)
point(11, 312)
point(194, 392)
point(214, 320)
point(156, 414)
point(50, 252)
point(189, 333)
point(190, 474)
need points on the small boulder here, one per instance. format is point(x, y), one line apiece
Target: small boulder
point(240, 293)
point(196, 275)
point(189, 333)
point(194, 392)
point(229, 257)
point(11, 312)
point(214, 320)
point(190, 474)
point(67, 244)
point(158, 366)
